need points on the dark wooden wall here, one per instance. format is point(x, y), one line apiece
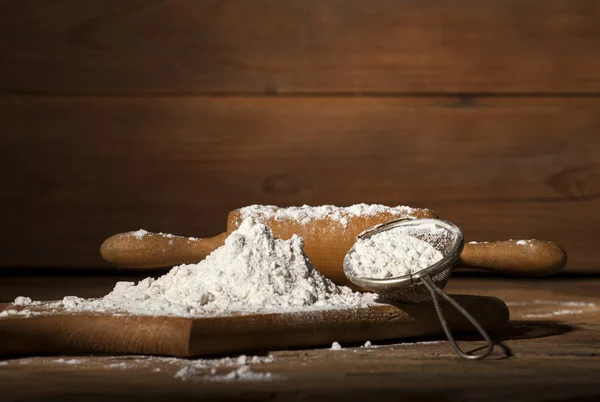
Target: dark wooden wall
point(121, 114)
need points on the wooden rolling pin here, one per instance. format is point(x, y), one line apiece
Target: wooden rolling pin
point(68, 333)
point(326, 242)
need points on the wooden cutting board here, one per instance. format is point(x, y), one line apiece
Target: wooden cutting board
point(63, 333)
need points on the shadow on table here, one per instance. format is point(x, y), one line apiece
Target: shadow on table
point(516, 330)
point(533, 329)
point(524, 330)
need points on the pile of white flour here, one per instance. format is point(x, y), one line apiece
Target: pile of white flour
point(255, 272)
point(252, 272)
point(391, 254)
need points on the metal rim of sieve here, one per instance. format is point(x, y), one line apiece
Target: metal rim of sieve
point(424, 276)
point(450, 256)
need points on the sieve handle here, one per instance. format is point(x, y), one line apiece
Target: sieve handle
point(515, 257)
point(435, 290)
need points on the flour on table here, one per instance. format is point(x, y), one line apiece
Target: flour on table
point(554, 313)
point(552, 303)
point(207, 369)
point(581, 307)
point(25, 301)
point(391, 254)
point(305, 214)
point(243, 373)
point(252, 272)
point(224, 369)
point(336, 346)
point(68, 361)
point(417, 343)
point(15, 312)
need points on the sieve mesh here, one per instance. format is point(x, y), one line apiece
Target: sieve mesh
point(415, 292)
point(443, 236)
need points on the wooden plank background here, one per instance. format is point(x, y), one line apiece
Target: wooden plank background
point(116, 115)
point(298, 46)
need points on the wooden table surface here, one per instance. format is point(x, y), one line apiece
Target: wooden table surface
point(551, 353)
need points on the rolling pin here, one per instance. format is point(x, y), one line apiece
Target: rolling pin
point(326, 242)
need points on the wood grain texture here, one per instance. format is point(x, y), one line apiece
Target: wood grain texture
point(299, 46)
point(60, 332)
point(554, 358)
point(77, 170)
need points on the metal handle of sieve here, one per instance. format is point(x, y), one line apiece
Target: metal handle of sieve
point(435, 291)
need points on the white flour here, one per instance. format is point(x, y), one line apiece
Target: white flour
point(552, 303)
point(243, 373)
point(252, 272)
point(525, 243)
point(583, 307)
point(225, 369)
point(141, 233)
point(391, 254)
point(554, 313)
point(305, 214)
point(336, 346)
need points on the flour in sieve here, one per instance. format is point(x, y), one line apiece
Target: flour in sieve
point(391, 254)
point(252, 272)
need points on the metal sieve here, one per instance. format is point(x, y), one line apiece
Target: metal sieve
point(428, 283)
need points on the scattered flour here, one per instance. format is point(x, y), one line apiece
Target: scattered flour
point(25, 301)
point(417, 343)
point(518, 242)
point(206, 369)
point(14, 312)
point(219, 369)
point(552, 303)
point(336, 346)
point(582, 307)
point(244, 373)
point(122, 365)
point(20, 301)
point(252, 272)
point(140, 234)
point(69, 361)
point(305, 214)
point(525, 242)
point(391, 254)
point(185, 373)
point(554, 313)
point(368, 344)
